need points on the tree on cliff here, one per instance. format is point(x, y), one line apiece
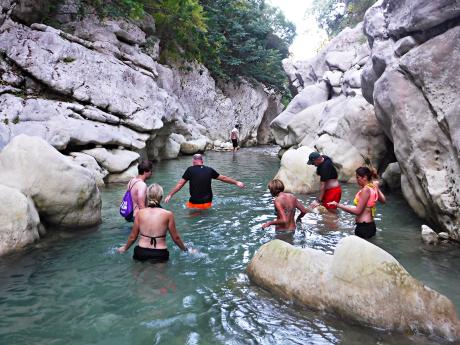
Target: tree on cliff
point(232, 38)
point(334, 15)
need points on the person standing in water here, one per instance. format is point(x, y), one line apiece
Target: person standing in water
point(200, 178)
point(138, 187)
point(365, 202)
point(152, 224)
point(285, 206)
point(235, 137)
point(330, 189)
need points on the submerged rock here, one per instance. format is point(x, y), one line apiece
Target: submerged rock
point(360, 282)
point(429, 236)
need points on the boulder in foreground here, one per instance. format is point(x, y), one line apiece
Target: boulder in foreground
point(360, 282)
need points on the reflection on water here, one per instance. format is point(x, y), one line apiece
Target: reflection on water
point(74, 288)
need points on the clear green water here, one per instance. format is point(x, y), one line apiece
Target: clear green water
point(73, 288)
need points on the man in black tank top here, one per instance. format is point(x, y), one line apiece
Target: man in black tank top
point(200, 178)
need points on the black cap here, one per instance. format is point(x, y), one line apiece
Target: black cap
point(313, 156)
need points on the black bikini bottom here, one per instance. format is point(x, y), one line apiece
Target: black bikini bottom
point(150, 254)
point(365, 230)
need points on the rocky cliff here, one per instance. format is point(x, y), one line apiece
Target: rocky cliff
point(94, 90)
point(413, 81)
point(406, 66)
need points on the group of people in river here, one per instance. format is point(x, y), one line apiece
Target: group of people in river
point(152, 222)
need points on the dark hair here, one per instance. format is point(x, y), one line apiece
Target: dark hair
point(275, 186)
point(366, 172)
point(144, 166)
point(237, 126)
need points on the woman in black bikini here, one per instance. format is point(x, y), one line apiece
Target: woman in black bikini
point(152, 224)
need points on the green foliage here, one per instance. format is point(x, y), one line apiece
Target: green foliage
point(16, 120)
point(334, 15)
point(247, 38)
point(232, 38)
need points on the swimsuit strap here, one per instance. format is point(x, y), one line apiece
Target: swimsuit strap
point(129, 188)
point(153, 239)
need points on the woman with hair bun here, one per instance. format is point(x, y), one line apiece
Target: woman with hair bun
point(152, 224)
point(365, 202)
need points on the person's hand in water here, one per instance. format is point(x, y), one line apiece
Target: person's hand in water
point(192, 250)
point(313, 204)
point(121, 249)
point(168, 197)
point(240, 184)
point(333, 203)
point(265, 225)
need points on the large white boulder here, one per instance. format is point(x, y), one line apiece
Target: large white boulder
point(360, 282)
point(64, 193)
point(19, 221)
point(88, 162)
point(115, 160)
point(297, 176)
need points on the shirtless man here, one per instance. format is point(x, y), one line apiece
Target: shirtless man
point(329, 185)
point(138, 187)
point(200, 177)
point(285, 206)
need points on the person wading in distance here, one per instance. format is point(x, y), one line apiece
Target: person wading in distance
point(200, 178)
point(235, 137)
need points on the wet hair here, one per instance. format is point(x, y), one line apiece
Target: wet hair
point(275, 186)
point(237, 126)
point(144, 166)
point(370, 174)
point(154, 195)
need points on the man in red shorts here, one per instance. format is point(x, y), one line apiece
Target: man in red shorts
point(329, 185)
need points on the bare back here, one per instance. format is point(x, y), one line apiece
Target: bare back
point(287, 203)
point(153, 223)
point(138, 193)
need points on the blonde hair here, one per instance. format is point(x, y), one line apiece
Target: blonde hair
point(275, 186)
point(154, 195)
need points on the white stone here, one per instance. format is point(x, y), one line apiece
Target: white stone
point(124, 176)
point(19, 221)
point(64, 193)
point(88, 162)
point(429, 236)
point(191, 147)
point(360, 283)
point(297, 176)
point(114, 161)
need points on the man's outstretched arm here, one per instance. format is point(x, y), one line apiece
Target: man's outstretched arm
point(229, 180)
point(177, 188)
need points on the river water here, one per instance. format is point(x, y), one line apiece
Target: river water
point(74, 288)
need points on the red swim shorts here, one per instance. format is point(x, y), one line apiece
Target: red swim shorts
point(200, 206)
point(333, 194)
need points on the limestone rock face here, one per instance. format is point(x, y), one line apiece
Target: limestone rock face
point(219, 107)
point(360, 282)
point(19, 221)
point(64, 193)
point(297, 176)
point(429, 236)
point(415, 86)
point(392, 176)
point(97, 82)
point(330, 113)
point(90, 163)
point(113, 161)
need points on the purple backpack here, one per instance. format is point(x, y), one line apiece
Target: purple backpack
point(126, 206)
